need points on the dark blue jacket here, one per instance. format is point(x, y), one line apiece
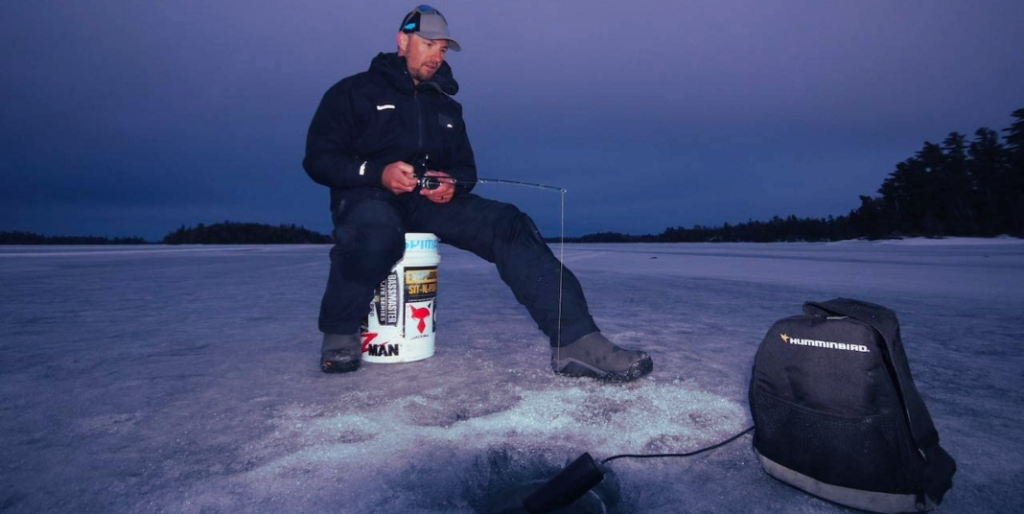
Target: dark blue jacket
point(377, 117)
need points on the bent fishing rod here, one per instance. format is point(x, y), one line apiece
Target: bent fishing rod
point(431, 183)
point(422, 163)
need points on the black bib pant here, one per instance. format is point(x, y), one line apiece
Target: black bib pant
point(369, 235)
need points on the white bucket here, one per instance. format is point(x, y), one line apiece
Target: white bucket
point(400, 327)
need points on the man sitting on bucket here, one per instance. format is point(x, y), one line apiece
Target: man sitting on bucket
point(365, 138)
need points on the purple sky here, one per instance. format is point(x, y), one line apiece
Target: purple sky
point(129, 118)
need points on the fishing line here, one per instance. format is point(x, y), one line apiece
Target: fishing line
point(427, 183)
point(435, 182)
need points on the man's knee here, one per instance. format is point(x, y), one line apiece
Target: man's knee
point(366, 253)
point(365, 206)
point(369, 225)
point(519, 228)
point(369, 237)
point(385, 245)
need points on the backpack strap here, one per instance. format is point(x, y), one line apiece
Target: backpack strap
point(940, 468)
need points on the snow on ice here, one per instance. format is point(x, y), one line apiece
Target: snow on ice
point(185, 379)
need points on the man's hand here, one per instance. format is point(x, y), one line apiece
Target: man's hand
point(399, 178)
point(444, 192)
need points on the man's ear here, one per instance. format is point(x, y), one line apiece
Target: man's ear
point(403, 43)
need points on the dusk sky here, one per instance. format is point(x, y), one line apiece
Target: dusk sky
point(124, 118)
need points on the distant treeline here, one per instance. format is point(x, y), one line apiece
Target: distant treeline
point(29, 238)
point(218, 233)
point(957, 188)
point(244, 233)
point(774, 230)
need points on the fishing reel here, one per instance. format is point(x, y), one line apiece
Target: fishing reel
point(430, 183)
point(420, 170)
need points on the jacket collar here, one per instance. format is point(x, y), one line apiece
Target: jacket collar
point(395, 70)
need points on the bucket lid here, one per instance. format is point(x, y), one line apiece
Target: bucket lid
point(420, 241)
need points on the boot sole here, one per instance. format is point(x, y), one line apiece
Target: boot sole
point(576, 368)
point(339, 366)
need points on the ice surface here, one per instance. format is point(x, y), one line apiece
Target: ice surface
point(185, 379)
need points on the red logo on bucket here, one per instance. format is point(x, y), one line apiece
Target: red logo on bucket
point(367, 337)
point(420, 314)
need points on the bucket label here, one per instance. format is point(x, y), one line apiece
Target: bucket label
point(420, 292)
point(420, 284)
point(420, 320)
point(421, 244)
point(386, 303)
point(383, 350)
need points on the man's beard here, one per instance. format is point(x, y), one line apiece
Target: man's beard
point(423, 74)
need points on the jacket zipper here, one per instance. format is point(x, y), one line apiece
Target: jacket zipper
point(419, 122)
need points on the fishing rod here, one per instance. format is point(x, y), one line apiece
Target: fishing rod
point(422, 164)
point(431, 183)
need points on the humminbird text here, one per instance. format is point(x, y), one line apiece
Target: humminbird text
point(825, 344)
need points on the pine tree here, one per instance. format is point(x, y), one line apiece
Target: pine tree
point(987, 164)
point(1014, 178)
point(955, 187)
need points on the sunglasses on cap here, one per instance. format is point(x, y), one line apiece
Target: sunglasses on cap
point(411, 22)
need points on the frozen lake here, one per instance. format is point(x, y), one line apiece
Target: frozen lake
point(185, 379)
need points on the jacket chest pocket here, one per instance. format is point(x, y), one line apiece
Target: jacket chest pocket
point(447, 123)
point(442, 132)
point(387, 127)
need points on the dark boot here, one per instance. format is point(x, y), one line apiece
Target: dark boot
point(341, 353)
point(593, 355)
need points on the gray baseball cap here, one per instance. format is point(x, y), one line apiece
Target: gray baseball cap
point(429, 23)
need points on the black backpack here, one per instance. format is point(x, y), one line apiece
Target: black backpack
point(837, 413)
